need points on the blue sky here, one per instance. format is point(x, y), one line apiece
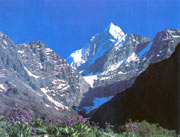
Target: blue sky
point(67, 25)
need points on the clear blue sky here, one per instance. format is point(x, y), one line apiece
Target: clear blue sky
point(67, 25)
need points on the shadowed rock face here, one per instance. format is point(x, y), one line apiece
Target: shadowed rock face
point(153, 97)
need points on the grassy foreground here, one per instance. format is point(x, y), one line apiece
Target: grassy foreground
point(20, 123)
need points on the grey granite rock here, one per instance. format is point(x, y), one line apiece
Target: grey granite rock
point(35, 77)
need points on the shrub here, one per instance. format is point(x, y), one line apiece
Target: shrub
point(144, 129)
point(19, 123)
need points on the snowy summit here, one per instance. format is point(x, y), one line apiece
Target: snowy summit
point(114, 30)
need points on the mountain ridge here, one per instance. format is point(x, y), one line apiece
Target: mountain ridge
point(32, 72)
point(106, 60)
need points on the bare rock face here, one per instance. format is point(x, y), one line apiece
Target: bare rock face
point(153, 97)
point(33, 76)
point(113, 60)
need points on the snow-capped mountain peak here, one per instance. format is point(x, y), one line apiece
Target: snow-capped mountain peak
point(77, 57)
point(114, 30)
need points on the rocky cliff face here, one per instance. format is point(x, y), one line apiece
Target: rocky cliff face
point(153, 97)
point(114, 59)
point(52, 73)
point(33, 76)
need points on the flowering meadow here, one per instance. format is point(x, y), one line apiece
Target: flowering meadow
point(19, 123)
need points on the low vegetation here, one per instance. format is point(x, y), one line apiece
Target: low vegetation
point(20, 123)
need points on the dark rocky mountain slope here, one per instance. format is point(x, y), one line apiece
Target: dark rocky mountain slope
point(154, 97)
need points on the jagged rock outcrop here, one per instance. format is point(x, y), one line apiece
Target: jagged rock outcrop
point(154, 97)
point(33, 76)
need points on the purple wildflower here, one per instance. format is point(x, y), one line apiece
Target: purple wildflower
point(88, 124)
point(17, 118)
point(28, 116)
point(19, 108)
point(133, 125)
point(15, 112)
point(3, 127)
point(80, 117)
point(126, 126)
point(69, 121)
point(83, 120)
point(14, 123)
point(38, 116)
point(24, 122)
point(26, 113)
point(33, 131)
point(21, 116)
point(57, 121)
point(31, 123)
point(12, 118)
point(111, 126)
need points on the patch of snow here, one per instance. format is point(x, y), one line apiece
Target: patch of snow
point(76, 57)
point(5, 42)
point(97, 102)
point(92, 38)
point(62, 95)
point(81, 71)
point(57, 104)
point(120, 72)
point(175, 36)
point(47, 105)
point(115, 31)
point(61, 85)
point(90, 79)
point(40, 65)
point(115, 66)
point(48, 51)
point(3, 46)
point(57, 81)
point(3, 86)
point(30, 74)
point(25, 45)
point(20, 51)
point(132, 57)
point(66, 87)
point(112, 40)
point(145, 50)
point(121, 42)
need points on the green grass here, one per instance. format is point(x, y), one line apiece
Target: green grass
point(22, 124)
